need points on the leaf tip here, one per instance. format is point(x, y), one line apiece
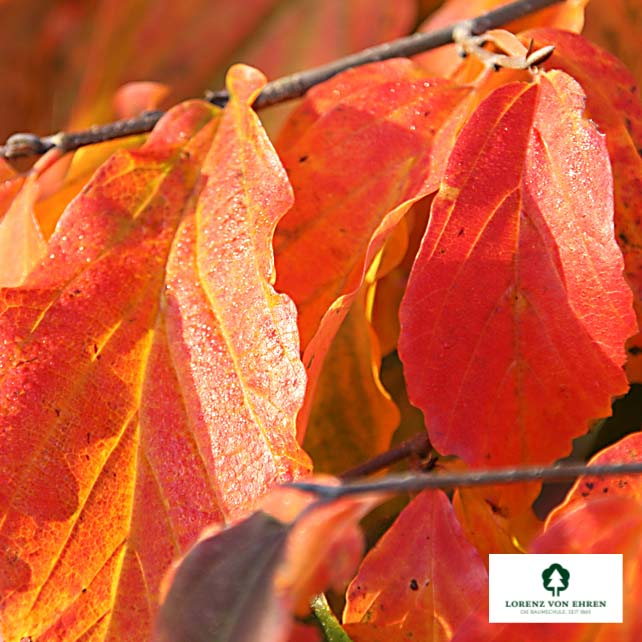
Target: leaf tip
point(244, 82)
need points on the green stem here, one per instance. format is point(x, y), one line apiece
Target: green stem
point(330, 625)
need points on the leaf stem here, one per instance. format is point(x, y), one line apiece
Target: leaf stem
point(332, 629)
point(280, 90)
point(413, 482)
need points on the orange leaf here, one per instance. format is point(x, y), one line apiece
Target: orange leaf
point(21, 238)
point(151, 375)
point(419, 581)
point(518, 281)
point(617, 26)
point(389, 288)
point(245, 582)
point(352, 417)
point(70, 175)
point(489, 525)
point(133, 98)
point(355, 171)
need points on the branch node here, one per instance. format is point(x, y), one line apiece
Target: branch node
point(219, 98)
point(25, 144)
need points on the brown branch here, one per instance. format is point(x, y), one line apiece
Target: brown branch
point(413, 482)
point(281, 90)
point(417, 446)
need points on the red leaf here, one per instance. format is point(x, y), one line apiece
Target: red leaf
point(588, 488)
point(420, 581)
point(151, 375)
point(387, 149)
point(518, 281)
point(613, 102)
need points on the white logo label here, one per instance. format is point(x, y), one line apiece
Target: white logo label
point(555, 588)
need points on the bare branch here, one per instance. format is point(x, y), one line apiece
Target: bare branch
point(412, 482)
point(417, 446)
point(281, 90)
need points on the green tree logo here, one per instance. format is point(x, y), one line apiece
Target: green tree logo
point(555, 579)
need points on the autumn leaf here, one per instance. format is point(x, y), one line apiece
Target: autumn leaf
point(352, 417)
point(613, 102)
point(387, 289)
point(489, 526)
point(420, 581)
point(141, 398)
point(628, 449)
point(22, 244)
point(355, 171)
point(72, 173)
point(518, 280)
point(398, 121)
point(246, 582)
point(222, 589)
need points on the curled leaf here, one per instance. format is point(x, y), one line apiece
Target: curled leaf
point(245, 582)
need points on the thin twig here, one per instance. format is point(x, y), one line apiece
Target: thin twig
point(417, 446)
point(281, 90)
point(412, 482)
